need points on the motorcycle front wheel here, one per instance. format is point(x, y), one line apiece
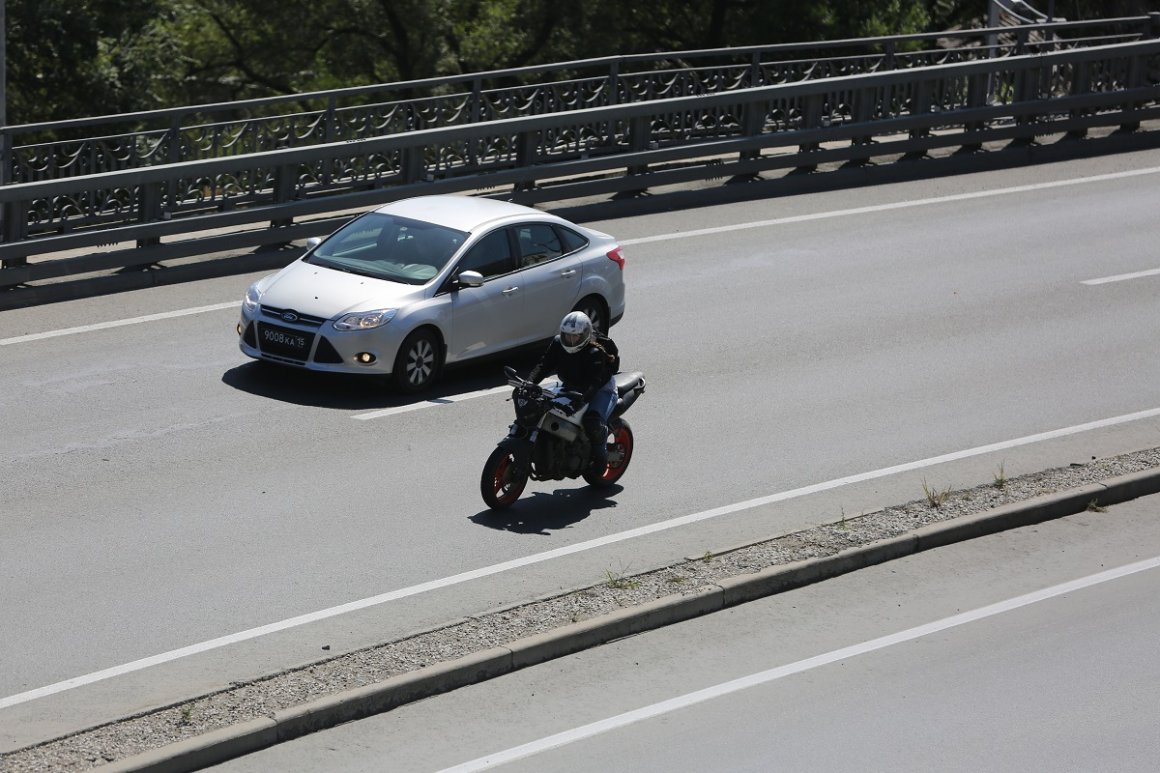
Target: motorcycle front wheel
point(619, 455)
point(502, 481)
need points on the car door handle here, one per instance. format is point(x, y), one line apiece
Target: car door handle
point(511, 290)
point(569, 272)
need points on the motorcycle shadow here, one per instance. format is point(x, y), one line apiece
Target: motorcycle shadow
point(544, 512)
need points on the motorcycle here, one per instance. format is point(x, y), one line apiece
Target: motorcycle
point(547, 440)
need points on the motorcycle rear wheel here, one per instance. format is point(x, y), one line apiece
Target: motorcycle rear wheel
point(619, 455)
point(502, 482)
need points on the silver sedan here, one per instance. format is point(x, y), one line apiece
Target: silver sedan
point(431, 281)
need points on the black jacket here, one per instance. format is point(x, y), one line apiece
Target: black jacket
point(585, 371)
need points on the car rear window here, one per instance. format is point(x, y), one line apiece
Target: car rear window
point(572, 240)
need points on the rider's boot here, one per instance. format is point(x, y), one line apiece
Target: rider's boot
point(598, 438)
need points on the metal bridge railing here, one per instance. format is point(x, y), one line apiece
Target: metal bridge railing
point(559, 155)
point(46, 151)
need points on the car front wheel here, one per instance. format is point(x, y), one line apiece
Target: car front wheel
point(418, 363)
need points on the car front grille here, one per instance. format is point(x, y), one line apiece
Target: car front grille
point(299, 319)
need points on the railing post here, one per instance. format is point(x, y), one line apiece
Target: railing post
point(1026, 90)
point(285, 182)
point(174, 140)
point(1134, 80)
point(330, 121)
point(613, 83)
point(639, 130)
point(752, 124)
point(15, 217)
point(863, 111)
point(1080, 84)
point(526, 158)
point(811, 119)
point(149, 198)
point(1021, 36)
point(754, 76)
point(920, 105)
point(978, 95)
point(475, 109)
point(411, 164)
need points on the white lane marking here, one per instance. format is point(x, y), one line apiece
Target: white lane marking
point(118, 323)
point(1121, 277)
point(668, 236)
point(780, 672)
point(430, 403)
point(892, 206)
point(580, 547)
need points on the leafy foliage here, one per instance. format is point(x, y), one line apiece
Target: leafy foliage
point(72, 58)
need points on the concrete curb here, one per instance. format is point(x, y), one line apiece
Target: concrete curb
point(358, 703)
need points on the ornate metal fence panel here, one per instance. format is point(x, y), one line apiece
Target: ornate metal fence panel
point(51, 151)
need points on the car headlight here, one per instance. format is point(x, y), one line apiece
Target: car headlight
point(365, 320)
point(252, 301)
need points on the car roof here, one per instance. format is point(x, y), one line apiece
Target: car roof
point(463, 213)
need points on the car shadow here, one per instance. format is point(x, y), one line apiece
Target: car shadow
point(342, 391)
point(543, 513)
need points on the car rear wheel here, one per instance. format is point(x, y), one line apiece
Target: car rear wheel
point(418, 362)
point(594, 308)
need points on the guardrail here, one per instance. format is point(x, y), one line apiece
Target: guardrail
point(560, 155)
point(46, 151)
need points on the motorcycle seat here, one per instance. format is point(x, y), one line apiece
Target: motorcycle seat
point(628, 382)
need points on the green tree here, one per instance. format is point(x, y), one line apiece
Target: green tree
point(72, 58)
point(69, 58)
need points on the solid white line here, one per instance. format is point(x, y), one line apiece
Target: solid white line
point(887, 207)
point(669, 236)
point(430, 403)
point(118, 323)
point(780, 672)
point(1121, 277)
point(550, 555)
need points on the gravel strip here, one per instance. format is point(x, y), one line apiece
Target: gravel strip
point(262, 697)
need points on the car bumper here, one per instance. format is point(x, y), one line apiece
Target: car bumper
point(318, 347)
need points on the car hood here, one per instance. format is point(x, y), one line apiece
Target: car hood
point(326, 292)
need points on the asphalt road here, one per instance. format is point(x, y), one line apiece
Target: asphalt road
point(1025, 651)
point(175, 517)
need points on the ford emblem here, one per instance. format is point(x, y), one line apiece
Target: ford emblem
point(289, 316)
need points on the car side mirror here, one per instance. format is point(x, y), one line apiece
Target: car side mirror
point(469, 279)
point(313, 242)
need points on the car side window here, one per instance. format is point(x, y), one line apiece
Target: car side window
point(572, 240)
point(491, 255)
point(538, 243)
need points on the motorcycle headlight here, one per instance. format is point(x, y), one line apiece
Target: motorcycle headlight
point(252, 300)
point(365, 320)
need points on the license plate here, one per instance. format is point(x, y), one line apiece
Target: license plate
point(284, 342)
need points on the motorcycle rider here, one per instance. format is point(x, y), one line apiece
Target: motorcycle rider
point(586, 362)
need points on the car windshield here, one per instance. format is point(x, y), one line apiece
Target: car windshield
point(388, 247)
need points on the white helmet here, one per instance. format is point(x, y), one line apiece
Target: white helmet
point(575, 332)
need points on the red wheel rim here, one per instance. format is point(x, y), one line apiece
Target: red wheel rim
point(619, 452)
point(505, 488)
